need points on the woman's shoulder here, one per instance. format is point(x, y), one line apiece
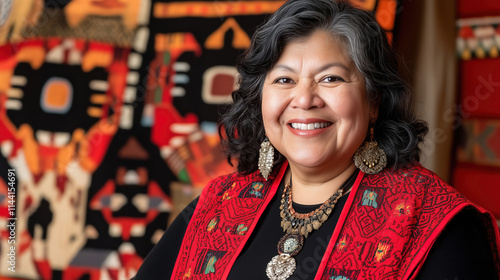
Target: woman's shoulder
point(233, 177)
point(414, 176)
point(417, 183)
point(235, 182)
point(236, 179)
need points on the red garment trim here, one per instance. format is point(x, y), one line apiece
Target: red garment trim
point(201, 201)
point(420, 258)
point(339, 226)
point(270, 196)
point(420, 188)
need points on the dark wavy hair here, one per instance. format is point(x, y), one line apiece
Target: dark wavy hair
point(397, 130)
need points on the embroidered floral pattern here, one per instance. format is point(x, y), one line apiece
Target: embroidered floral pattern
point(383, 248)
point(363, 249)
point(212, 224)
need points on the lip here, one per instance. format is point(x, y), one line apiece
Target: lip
point(312, 132)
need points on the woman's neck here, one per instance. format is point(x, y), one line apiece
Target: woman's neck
point(309, 189)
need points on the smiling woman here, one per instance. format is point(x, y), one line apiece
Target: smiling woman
point(321, 98)
point(316, 112)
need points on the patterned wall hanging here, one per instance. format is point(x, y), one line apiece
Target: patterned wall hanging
point(477, 120)
point(108, 113)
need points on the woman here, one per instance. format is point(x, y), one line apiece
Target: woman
point(328, 183)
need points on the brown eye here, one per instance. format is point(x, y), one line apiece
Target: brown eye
point(332, 79)
point(283, 81)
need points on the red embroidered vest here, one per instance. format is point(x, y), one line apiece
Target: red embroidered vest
point(385, 231)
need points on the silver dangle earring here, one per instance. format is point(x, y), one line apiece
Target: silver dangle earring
point(266, 158)
point(370, 158)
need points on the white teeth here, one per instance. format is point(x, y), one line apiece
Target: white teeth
point(310, 126)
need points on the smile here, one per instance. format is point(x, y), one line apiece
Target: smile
point(310, 126)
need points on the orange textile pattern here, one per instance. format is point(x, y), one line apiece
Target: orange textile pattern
point(108, 112)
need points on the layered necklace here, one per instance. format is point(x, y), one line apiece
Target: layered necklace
point(298, 227)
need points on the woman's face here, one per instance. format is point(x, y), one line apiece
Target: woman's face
point(314, 104)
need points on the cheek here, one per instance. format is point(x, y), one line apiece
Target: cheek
point(272, 107)
point(266, 118)
point(266, 106)
point(268, 115)
point(347, 107)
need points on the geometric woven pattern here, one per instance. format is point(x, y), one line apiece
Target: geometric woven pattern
point(395, 217)
point(480, 142)
point(225, 218)
point(104, 105)
point(477, 117)
point(478, 37)
point(385, 230)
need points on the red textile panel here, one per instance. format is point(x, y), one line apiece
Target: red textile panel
point(480, 95)
point(479, 184)
point(478, 8)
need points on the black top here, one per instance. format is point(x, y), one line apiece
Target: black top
point(461, 252)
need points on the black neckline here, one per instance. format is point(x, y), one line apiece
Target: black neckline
point(304, 208)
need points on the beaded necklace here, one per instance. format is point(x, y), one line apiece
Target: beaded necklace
point(297, 227)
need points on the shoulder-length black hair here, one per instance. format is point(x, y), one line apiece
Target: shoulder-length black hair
point(397, 130)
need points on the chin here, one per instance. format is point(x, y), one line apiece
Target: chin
point(309, 162)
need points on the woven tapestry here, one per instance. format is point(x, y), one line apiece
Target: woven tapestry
point(477, 120)
point(108, 112)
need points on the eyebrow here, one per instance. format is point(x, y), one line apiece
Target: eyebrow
point(320, 69)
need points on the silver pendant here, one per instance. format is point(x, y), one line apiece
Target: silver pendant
point(280, 267)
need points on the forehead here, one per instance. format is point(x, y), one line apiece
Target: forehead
point(318, 32)
point(318, 47)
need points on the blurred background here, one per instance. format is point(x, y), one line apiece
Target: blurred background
point(108, 112)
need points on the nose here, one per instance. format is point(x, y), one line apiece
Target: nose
point(306, 96)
